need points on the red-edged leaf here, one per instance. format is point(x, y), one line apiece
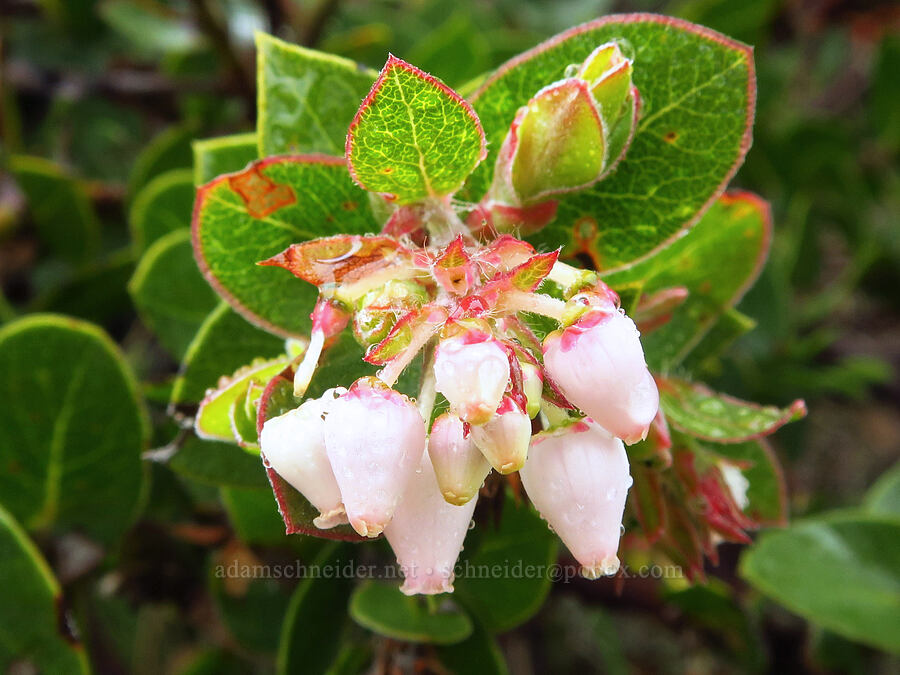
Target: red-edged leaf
point(454, 269)
point(413, 137)
point(656, 309)
point(404, 332)
point(646, 499)
point(767, 491)
point(683, 542)
point(698, 91)
point(230, 237)
point(700, 412)
point(529, 275)
point(340, 259)
point(295, 510)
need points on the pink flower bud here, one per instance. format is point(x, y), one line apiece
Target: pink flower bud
point(504, 438)
point(294, 446)
point(598, 364)
point(427, 534)
point(374, 437)
point(578, 479)
point(532, 387)
point(458, 463)
point(472, 370)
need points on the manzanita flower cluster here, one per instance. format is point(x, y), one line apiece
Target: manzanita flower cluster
point(523, 364)
point(364, 455)
point(461, 294)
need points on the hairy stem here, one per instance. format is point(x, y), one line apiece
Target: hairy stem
point(307, 367)
point(394, 368)
point(427, 391)
point(520, 301)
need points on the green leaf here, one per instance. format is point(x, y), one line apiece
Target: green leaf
point(33, 630)
point(162, 206)
point(147, 31)
point(315, 617)
point(96, 292)
point(306, 98)
point(170, 149)
point(213, 421)
point(700, 412)
point(170, 293)
point(767, 492)
point(478, 654)
point(242, 415)
point(72, 428)
point(59, 206)
point(730, 325)
point(717, 261)
point(413, 136)
point(223, 343)
point(218, 464)
point(883, 498)
point(215, 156)
point(839, 572)
point(522, 541)
point(697, 90)
point(382, 608)
point(252, 516)
point(286, 200)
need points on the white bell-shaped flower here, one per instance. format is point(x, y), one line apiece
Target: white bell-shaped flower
point(504, 438)
point(598, 364)
point(472, 370)
point(578, 479)
point(458, 463)
point(374, 437)
point(293, 444)
point(427, 534)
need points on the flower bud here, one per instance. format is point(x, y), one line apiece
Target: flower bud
point(293, 444)
point(471, 369)
point(608, 72)
point(577, 477)
point(426, 534)
point(379, 309)
point(504, 438)
point(458, 463)
point(557, 143)
point(533, 387)
point(598, 364)
point(374, 437)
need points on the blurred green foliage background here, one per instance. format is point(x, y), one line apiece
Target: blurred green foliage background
point(100, 98)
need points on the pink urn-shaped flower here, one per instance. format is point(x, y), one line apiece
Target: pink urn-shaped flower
point(374, 437)
point(598, 364)
point(578, 479)
point(293, 444)
point(471, 369)
point(427, 534)
point(504, 438)
point(458, 464)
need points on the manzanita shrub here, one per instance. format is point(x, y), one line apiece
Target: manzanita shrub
point(501, 291)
